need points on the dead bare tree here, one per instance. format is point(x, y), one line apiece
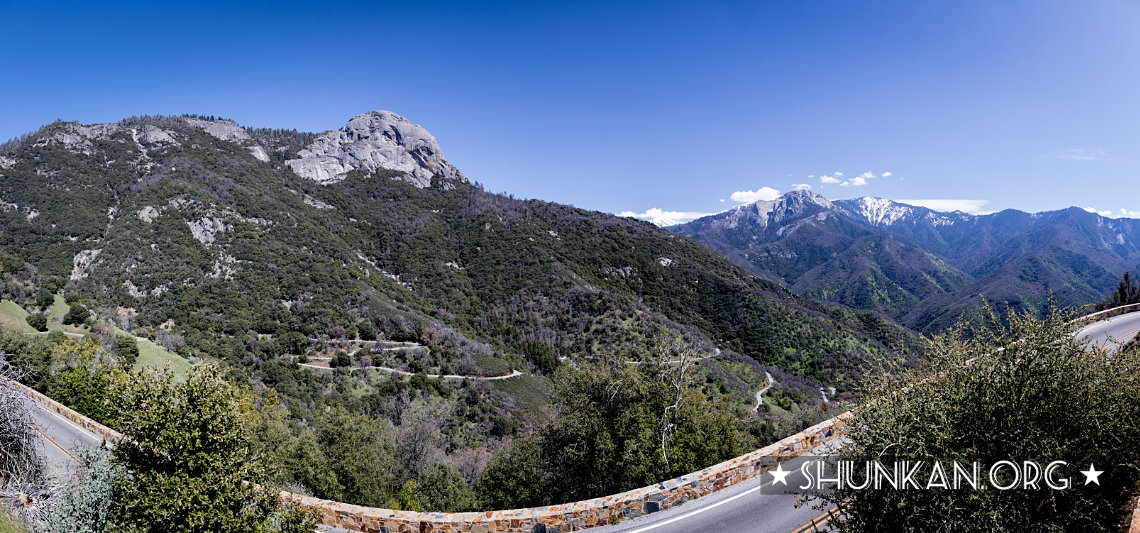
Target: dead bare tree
point(22, 481)
point(676, 358)
point(19, 454)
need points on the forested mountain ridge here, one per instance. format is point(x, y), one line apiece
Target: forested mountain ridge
point(212, 230)
point(363, 247)
point(922, 267)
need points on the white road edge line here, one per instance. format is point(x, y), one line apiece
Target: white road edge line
point(72, 424)
point(698, 511)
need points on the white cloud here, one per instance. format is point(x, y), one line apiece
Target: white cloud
point(1108, 213)
point(888, 174)
point(1082, 154)
point(973, 207)
point(662, 217)
point(857, 181)
point(801, 186)
point(763, 193)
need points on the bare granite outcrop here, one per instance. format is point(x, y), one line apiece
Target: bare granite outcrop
point(373, 141)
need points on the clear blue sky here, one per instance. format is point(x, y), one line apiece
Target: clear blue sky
point(626, 106)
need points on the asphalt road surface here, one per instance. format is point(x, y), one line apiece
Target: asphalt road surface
point(1112, 333)
point(759, 504)
point(61, 440)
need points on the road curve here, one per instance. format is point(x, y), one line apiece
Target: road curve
point(759, 504)
point(1112, 333)
point(755, 507)
point(760, 393)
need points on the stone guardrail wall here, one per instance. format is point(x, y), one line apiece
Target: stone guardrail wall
point(107, 434)
point(584, 514)
point(1107, 313)
point(551, 519)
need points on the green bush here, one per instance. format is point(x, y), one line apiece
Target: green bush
point(189, 461)
point(442, 488)
point(81, 381)
point(44, 298)
point(38, 321)
point(127, 350)
point(341, 359)
point(1020, 389)
point(77, 315)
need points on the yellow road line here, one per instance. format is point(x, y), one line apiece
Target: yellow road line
point(1124, 339)
point(816, 522)
point(56, 444)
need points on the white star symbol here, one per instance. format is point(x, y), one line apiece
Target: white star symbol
point(1092, 474)
point(781, 475)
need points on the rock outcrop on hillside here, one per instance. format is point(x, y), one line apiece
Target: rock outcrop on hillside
point(372, 141)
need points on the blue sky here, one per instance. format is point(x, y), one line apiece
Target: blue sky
point(628, 106)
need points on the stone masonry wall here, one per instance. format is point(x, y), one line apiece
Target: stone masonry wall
point(551, 519)
point(107, 434)
point(584, 514)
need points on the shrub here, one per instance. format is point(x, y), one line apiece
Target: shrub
point(341, 359)
point(187, 454)
point(126, 350)
point(77, 315)
point(442, 488)
point(37, 321)
point(85, 506)
point(44, 298)
point(1018, 390)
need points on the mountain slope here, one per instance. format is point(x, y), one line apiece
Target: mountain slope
point(922, 267)
point(214, 231)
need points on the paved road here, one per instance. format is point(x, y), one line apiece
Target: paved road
point(1112, 333)
point(758, 504)
point(754, 506)
point(514, 373)
point(62, 440)
point(760, 393)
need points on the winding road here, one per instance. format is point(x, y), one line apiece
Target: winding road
point(755, 506)
point(760, 393)
point(512, 374)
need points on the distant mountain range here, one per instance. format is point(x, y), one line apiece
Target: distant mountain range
point(921, 267)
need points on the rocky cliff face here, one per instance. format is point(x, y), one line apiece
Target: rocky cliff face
point(373, 141)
